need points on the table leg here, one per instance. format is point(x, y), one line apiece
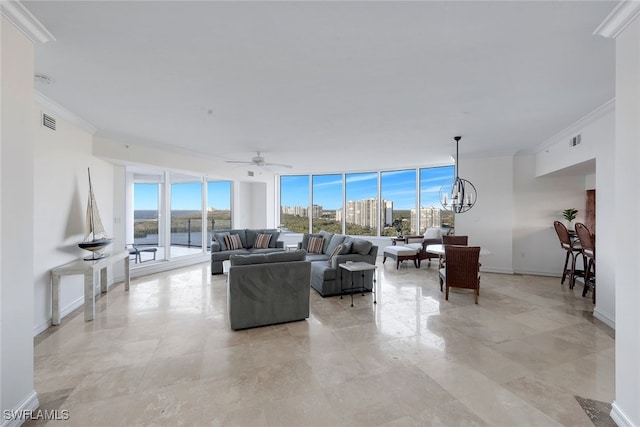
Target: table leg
point(375, 298)
point(55, 299)
point(352, 289)
point(89, 296)
point(127, 275)
point(103, 280)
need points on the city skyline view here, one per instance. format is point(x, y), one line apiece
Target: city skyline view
point(396, 186)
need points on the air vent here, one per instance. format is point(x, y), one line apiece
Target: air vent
point(250, 173)
point(48, 121)
point(575, 141)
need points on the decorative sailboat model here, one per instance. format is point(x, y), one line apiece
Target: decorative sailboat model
point(96, 239)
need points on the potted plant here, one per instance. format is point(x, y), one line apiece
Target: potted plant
point(570, 214)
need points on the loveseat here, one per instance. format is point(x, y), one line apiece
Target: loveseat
point(326, 276)
point(220, 250)
point(268, 288)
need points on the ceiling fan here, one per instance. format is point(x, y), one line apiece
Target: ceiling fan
point(259, 161)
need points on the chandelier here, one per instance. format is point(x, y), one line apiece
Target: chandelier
point(460, 195)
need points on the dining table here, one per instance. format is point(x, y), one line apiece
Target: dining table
point(439, 250)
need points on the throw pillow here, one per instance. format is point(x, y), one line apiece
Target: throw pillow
point(220, 239)
point(346, 248)
point(336, 251)
point(232, 241)
point(262, 241)
point(315, 245)
point(433, 233)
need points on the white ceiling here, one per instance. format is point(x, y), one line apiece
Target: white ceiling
point(328, 86)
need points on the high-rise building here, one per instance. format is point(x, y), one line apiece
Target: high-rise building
point(429, 217)
point(365, 212)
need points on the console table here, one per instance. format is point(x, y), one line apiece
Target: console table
point(88, 269)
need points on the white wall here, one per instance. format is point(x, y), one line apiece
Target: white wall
point(538, 201)
point(490, 222)
point(61, 160)
point(16, 226)
point(597, 130)
point(557, 154)
point(606, 224)
point(626, 408)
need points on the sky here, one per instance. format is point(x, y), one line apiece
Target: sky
point(184, 196)
point(397, 186)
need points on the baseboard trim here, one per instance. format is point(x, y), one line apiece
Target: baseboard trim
point(495, 270)
point(538, 273)
point(604, 318)
point(619, 417)
point(30, 403)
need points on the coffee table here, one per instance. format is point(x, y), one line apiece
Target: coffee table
point(354, 267)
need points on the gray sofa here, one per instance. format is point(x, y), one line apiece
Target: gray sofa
point(220, 253)
point(326, 277)
point(265, 289)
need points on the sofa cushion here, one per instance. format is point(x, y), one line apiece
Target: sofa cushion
point(317, 257)
point(225, 255)
point(219, 237)
point(232, 241)
point(346, 247)
point(360, 246)
point(262, 241)
point(251, 237)
point(286, 256)
point(336, 240)
point(263, 258)
point(327, 239)
point(315, 245)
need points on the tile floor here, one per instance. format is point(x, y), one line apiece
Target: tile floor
point(162, 354)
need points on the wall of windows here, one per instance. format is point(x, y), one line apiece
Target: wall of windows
point(218, 207)
point(327, 203)
point(371, 204)
point(175, 213)
point(398, 191)
point(186, 212)
point(294, 203)
point(361, 208)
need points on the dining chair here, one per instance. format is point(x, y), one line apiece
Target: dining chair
point(462, 269)
point(455, 240)
point(573, 249)
point(589, 251)
point(452, 240)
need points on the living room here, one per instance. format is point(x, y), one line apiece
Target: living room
point(517, 202)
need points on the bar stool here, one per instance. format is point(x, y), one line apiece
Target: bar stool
point(573, 249)
point(589, 251)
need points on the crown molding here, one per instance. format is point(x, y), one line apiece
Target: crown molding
point(50, 105)
point(579, 124)
point(24, 20)
point(621, 16)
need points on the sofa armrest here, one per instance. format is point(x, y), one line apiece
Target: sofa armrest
point(215, 246)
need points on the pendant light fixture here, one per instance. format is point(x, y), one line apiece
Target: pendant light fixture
point(459, 196)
